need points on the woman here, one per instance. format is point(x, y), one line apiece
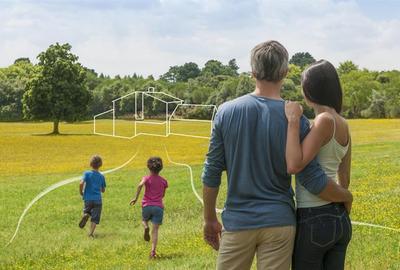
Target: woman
point(323, 228)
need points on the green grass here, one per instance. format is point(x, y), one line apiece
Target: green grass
point(49, 237)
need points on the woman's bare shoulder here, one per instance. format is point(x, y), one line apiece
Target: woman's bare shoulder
point(324, 120)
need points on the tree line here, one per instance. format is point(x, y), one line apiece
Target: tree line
point(58, 88)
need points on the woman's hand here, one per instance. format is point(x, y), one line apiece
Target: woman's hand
point(293, 110)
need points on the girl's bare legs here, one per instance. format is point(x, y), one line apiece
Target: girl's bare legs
point(146, 230)
point(154, 235)
point(145, 224)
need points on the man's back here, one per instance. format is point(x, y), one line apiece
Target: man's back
point(252, 131)
point(249, 142)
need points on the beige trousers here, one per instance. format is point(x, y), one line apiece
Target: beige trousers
point(273, 246)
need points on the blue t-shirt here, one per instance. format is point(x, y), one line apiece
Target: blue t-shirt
point(94, 182)
point(249, 141)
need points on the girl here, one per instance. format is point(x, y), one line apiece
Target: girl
point(152, 203)
point(323, 228)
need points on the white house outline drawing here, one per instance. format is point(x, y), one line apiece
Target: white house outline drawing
point(139, 97)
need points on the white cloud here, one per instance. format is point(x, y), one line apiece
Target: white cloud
point(147, 37)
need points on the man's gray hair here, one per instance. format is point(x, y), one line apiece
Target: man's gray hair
point(269, 61)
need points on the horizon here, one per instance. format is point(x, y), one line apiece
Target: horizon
point(147, 37)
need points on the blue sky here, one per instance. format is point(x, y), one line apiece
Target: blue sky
point(148, 36)
point(380, 9)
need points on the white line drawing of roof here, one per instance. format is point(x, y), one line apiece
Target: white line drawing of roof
point(139, 115)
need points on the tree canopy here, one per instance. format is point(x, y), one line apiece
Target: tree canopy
point(58, 91)
point(346, 67)
point(58, 88)
point(302, 59)
point(182, 73)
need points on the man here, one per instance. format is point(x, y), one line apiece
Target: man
point(248, 141)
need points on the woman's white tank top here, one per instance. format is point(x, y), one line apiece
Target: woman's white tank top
point(329, 157)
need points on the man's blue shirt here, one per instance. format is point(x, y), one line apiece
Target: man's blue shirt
point(94, 183)
point(249, 141)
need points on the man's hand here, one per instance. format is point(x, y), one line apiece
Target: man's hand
point(212, 233)
point(293, 110)
point(133, 201)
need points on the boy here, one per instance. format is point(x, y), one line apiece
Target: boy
point(91, 187)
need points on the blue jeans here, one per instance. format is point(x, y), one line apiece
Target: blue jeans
point(322, 236)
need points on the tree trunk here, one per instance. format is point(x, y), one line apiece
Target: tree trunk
point(55, 127)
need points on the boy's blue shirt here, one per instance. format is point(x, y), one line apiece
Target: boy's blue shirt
point(94, 182)
point(249, 142)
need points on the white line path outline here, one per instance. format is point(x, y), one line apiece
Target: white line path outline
point(191, 178)
point(374, 226)
point(57, 185)
point(78, 178)
point(358, 223)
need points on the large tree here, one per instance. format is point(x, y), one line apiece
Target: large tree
point(182, 73)
point(302, 59)
point(214, 68)
point(58, 92)
point(346, 67)
point(357, 88)
point(233, 66)
point(13, 81)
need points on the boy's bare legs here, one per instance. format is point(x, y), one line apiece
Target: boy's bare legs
point(83, 221)
point(154, 235)
point(92, 228)
point(146, 230)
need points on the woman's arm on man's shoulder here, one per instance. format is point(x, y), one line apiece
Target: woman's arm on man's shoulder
point(298, 155)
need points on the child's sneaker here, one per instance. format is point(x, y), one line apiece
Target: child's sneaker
point(153, 254)
point(146, 235)
point(83, 221)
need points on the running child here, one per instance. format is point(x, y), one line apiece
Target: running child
point(91, 186)
point(152, 202)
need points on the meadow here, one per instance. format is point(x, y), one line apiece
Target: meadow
point(49, 237)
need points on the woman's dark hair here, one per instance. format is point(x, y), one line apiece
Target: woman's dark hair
point(155, 164)
point(321, 85)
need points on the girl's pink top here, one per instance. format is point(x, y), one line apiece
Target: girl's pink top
point(154, 192)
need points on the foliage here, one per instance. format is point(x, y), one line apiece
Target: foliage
point(302, 59)
point(182, 73)
point(357, 87)
point(346, 67)
point(13, 81)
point(377, 107)
point(365, 92)
point(215, 68)
point(22, 60)
point(58, 91)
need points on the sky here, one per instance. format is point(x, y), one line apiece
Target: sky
point(148, 36)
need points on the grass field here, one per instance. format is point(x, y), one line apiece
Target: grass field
point(49, 237)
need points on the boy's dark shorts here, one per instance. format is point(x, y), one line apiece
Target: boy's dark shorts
point(93, 208)
point(153, 213)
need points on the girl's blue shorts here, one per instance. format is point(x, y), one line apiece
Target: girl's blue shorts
point(153, 213)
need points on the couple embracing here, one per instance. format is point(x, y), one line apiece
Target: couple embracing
point(260, 141)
